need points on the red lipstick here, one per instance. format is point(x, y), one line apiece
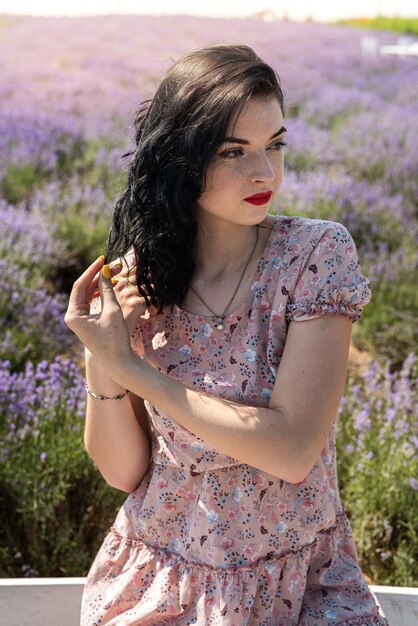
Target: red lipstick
point(259, 198)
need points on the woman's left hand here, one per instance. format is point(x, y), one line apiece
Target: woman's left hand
point(105, 334)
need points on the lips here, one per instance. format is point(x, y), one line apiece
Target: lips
point(259, 198)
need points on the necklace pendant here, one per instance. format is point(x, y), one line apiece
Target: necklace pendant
point(220, 323)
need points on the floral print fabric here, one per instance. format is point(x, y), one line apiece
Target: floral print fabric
point(205, 539)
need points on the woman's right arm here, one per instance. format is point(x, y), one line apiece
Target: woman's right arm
point(117, 435)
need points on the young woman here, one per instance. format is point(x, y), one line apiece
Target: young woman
point(209, 401)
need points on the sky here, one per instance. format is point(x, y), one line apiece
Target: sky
point(319, 10)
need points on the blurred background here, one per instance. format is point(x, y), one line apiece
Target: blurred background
point(72, 76)
point(322, 10)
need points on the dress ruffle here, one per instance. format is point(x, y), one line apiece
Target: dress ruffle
point(371, 620)
point(133, 583)
point(332, 304)
point(331, 280)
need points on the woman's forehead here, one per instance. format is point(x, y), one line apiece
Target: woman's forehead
point(257, 114)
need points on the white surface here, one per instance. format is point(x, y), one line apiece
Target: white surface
point(400, 50)
point(321, 10)
point(57, 601)
point(40, 601)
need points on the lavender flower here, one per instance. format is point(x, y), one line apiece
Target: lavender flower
point(414, 483)
point(33, 320)
point(43, 397)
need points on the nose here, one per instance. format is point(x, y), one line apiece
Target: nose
point(262, 169)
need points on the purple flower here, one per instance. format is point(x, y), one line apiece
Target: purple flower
point(30, 399)
point(362, 419)
point(414, 483)
point(36, 326)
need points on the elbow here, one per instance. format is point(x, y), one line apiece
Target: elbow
point(297, 477)
point(296, 472)
point(125, 479)
point(301, 472)
point(293, 475)
point(123, 484)
point(125, 487)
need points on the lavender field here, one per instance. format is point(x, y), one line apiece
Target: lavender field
point(68, 95)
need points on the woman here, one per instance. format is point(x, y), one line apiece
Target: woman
point(209, 403)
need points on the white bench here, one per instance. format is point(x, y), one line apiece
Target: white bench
point(56, 602)
point(409, 50)
point(406, 46)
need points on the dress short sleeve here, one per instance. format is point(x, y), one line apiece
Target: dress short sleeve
point(331, 280)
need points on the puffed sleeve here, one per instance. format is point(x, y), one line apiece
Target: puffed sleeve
point(330, 280)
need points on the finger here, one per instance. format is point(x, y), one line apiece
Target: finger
point(94, 285)
point(114, 269)
point(107, 295)
point(78, 300)
point(96, 293)
point(116, 264)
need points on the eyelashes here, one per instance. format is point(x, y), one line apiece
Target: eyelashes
point(234, 152)
point(279, 143)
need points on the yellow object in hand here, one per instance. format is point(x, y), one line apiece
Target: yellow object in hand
point(106, 273)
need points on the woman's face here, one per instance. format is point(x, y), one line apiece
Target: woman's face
point(249, 162)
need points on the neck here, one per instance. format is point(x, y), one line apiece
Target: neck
point(222, 251)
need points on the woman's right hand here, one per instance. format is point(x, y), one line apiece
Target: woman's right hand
point(132, 304)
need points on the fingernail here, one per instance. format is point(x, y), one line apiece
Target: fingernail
point(115, 281)
point(101, 258)
point(106, 273)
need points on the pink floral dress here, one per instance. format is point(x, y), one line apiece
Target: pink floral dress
point(205, 539)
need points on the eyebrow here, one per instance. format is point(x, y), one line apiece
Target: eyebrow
point(244, 141)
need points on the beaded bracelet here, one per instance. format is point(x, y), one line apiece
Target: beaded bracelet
point(98, 396)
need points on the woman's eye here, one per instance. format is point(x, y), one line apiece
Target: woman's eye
point(231, 154)
point(278, 145)
point(234, 152)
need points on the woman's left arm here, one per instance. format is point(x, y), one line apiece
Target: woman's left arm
point(283, 440)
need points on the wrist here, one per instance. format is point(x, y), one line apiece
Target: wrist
point(119, 368)
point(98, 379)
point(100, 396)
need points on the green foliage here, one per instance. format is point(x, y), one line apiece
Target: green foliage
point(389, 327)
point(85, 236)
point(32, 323)
point(301, 161)
point(91, 171)
point(376, 450)
point(58, 511)
point(293, 109)
point(19, 181)
point(58, 505)
point(408, 26)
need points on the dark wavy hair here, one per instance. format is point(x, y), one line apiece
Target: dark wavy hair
point(176, 134)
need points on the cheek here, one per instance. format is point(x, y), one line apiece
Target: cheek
point(220, 177)
point(279, 164)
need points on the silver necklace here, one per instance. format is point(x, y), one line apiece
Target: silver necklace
point(219, 320)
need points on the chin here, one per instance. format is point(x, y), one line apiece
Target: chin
point(257, 214)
